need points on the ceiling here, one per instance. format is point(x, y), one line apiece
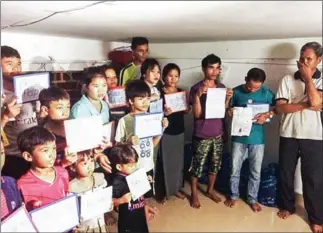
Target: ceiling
point(166, 21)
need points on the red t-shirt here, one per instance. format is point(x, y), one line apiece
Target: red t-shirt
point(4, 207)
point(37, 192)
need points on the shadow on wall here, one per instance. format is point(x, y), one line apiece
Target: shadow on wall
point(284, 50)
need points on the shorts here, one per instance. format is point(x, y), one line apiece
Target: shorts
point(202, 148)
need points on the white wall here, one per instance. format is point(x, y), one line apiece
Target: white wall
point(276, 57)
point(70, 53)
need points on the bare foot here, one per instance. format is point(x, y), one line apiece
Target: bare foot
point(213, 197)
point(150, 212)
point(161, 201)
point(283, 214)
point(230, 203)
point(255, 207)
point(316, 228)
point(195, 203)
point(180, 195)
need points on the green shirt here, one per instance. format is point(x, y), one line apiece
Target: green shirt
point(241, 98)
point(129, 73)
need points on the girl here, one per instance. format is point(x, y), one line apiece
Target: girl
point(172, 143)
point(92, 103)
point(86, 181)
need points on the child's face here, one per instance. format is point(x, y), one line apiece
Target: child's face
point(172, 78)
point(3, 157)
point(141, 103)
point(59, 110)
point(98, 88)
point(10, 66)
point(112, 79)
point(127, 168)
point(152, 76)
point(43, 156)
point(85, 165)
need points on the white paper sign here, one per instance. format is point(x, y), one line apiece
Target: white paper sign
point(117, 97)
point(215, 103)
point(148, 125)
point(259, 108)
point(138, 183)
point(177, 102)
point(241, 121)
point(96, 203)
point(28, 86)
point(109, 131)
point(156, 106)
point(83, 133)
point(18, 221)
point(60, 216)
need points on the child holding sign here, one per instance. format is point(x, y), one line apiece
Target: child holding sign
point(172, 143)
point(86, 180)
point(132, 214)
point(43, 183)
point(138, 96)
point(10, 196)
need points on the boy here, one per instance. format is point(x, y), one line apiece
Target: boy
point(138, 97)
point(10, 196)
point(208, 133)
point(252, 92)
point(43, 183)
point(28, 117)
point(140, 51)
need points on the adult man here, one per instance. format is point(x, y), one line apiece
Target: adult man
point(208, 133)
point(252, 92)
point(299, 99)
point(140, 50)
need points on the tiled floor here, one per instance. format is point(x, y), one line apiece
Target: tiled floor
point(177, 216)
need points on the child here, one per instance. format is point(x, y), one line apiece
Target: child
point(86, 180)
point(55, 103)
point(92, 103)
point(132, 215)
point(43, 183)
point(138, 97)
point(10, 196)
point(172, 142)
point(27, 116)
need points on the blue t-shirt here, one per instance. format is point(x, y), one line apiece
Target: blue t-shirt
point(84, 108)
point(241, 98)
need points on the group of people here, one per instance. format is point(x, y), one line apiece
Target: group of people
point(34, 150)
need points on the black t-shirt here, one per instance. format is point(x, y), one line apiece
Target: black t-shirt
point(176, 120)
point(132, 216)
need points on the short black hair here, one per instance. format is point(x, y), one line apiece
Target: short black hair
point(122, 153)
point(30, 138)
point(147, 65)
point(138, 40)
point(315, 46)
point(210, 60)
point(52, 93)
point(137, 88)
point(256, 74)
point(92, 73)
point(7, 51)
point(167, 68)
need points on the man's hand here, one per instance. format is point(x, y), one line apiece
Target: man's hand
point(165, 123)
point(230, 112)
point(316, 108)
point(229, 94)
point(104, 162)
point(305, 70)
point(12, 109)
point(202, 90)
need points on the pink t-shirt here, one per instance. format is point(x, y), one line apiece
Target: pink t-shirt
point(4, 207)
point(37, 192)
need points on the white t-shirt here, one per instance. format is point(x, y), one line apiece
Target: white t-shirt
point(145, 149)
point(305, 124)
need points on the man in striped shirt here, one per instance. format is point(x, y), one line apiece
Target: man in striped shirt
point(140, 50)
